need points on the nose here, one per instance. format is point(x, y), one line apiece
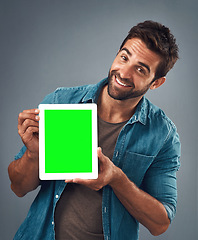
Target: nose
point(126, 72)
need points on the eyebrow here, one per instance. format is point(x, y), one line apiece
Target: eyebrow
point(127, 50)
point(141, 63)
point(145, 65)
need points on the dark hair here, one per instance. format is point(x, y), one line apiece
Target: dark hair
point(158, 39)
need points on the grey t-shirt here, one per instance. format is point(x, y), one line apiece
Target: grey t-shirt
point(78, 214)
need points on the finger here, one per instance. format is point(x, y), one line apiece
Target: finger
point(99, 152)
point(27, 123)
point(35, 111)
point(99, 149)
point(81, 181)
point(84, 182)
point(78, 181)
point(68, 180)
point(101, 156)
point(75, 180)
point(24, 115)
point(28, 135)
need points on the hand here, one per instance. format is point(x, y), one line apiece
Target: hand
point(28, 129)
point(106, 175)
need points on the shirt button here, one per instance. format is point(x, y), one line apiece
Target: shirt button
point(57, 196)
point(116, 153)
point(52, 223)
point(105, 209)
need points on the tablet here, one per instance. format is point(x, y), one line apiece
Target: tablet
point(68, 141)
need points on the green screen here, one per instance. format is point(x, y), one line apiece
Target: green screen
point(68, 141)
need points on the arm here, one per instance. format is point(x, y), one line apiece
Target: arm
point(142, 206)
point(23, 172)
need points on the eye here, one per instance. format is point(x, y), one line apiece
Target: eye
point(141, 70)
point(124, 57)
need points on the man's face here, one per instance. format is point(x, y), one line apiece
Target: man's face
point(132, 71)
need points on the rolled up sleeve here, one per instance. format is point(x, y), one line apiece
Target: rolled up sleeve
point(160, 179)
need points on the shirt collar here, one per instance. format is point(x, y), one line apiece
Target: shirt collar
point(94, 92)
point(140, 114)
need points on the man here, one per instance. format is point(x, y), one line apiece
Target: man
point(138, 151)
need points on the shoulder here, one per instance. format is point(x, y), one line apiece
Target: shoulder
point(67, 95)
point(158, 118)
point(160, 127)
point(72, 94)
point(75, 94)
point(165, 135)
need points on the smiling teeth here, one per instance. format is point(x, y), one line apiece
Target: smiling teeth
point(122, 84)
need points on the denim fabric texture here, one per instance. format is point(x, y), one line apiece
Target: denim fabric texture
point(148, 152)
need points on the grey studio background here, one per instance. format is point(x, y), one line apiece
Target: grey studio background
point(48, 44)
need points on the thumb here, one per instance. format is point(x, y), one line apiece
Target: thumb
point(101, 156)
point(99, 152)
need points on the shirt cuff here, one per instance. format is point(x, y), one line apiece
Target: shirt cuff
point(170, 209)
point(20, 154)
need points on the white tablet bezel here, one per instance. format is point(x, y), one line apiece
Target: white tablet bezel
point(62, 176)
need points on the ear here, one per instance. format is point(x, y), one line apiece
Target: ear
point(157, 83)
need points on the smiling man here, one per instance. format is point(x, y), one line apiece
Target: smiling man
point(134, 66)
point(139, 152)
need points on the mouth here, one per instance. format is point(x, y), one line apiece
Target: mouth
point(121, 83)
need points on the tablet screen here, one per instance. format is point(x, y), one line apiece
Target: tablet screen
point(68, 141)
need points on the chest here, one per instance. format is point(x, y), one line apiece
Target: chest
point(136, 149)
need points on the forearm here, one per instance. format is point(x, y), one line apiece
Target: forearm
point(142, 206)
point(24, 174)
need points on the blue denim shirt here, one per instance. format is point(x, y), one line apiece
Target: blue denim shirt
point(147, 151)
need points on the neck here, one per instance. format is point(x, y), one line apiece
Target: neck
point(114, 111)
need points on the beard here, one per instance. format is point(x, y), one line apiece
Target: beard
point(130, 91)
